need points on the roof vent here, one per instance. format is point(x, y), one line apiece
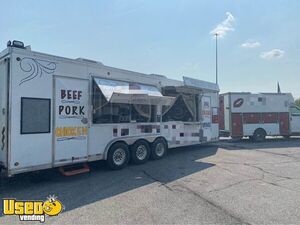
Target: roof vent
point(158, 75)
point(89, 61)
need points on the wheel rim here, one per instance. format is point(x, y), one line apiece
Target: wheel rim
point(141, 152)
point(119, 156)
point(160, 149)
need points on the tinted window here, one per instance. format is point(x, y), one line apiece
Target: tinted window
point(35, 115)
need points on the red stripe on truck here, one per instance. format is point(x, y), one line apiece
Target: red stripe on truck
point(251, 117)
point(270, 117)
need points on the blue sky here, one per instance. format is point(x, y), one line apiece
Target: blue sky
point(260, 45)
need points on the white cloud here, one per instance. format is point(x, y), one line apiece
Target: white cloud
point(226, 25)
point(273, 54)
point(250, 45)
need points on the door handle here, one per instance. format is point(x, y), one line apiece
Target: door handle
point(84, 120)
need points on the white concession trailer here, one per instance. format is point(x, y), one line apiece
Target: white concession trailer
point(57, 111)
point(245, 114)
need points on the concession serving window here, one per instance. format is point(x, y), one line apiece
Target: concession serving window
point(122, 102)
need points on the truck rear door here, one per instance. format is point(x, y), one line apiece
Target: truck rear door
point(3, 112)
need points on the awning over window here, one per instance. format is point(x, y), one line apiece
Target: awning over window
point(142, 99)
point(133, 93)
point(204, 85)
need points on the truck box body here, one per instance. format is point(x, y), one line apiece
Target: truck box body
point(57, 111)
point(241, 114)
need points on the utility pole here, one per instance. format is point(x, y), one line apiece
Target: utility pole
point(216, 35)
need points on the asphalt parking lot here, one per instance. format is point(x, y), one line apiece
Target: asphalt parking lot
point(225, 183)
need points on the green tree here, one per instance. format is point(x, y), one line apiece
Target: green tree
point(297, 102)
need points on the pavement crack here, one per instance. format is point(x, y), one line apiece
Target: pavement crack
point(268, 172)
point(255, 165)
point(279, 154)
point(260, 179)
point(231, 185)
point(258, 163)
point(208, 201)
point(254, 148)
point(157, 180)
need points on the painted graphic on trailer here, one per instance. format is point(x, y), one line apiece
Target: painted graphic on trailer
point(71, 123)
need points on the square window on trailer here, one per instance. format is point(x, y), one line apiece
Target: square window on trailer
point(35, 115)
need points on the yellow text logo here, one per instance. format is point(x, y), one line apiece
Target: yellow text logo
point(32, 210)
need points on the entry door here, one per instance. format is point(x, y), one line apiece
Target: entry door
point(206, 117)
point(295, 119)
point(71, 120)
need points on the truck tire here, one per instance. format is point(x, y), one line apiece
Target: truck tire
point(158, 149)
point(118, 156)
point(140, 152)
point(259, 135)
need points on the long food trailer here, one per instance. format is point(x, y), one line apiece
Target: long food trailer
point(244, 114)
point(58, 111)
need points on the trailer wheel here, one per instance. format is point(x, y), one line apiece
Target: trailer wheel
point(159, 149)
point(118, 156)
point(259, 135)
point(140, 152)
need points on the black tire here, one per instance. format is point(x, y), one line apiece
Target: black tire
point(159, 149)
point(140, 152)
point(118, 156)
point(259, 135)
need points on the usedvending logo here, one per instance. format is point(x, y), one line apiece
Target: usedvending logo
point(32, 210)
point(238, 103)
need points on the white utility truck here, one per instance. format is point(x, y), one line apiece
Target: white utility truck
point(243, 114)
point(57, 111)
